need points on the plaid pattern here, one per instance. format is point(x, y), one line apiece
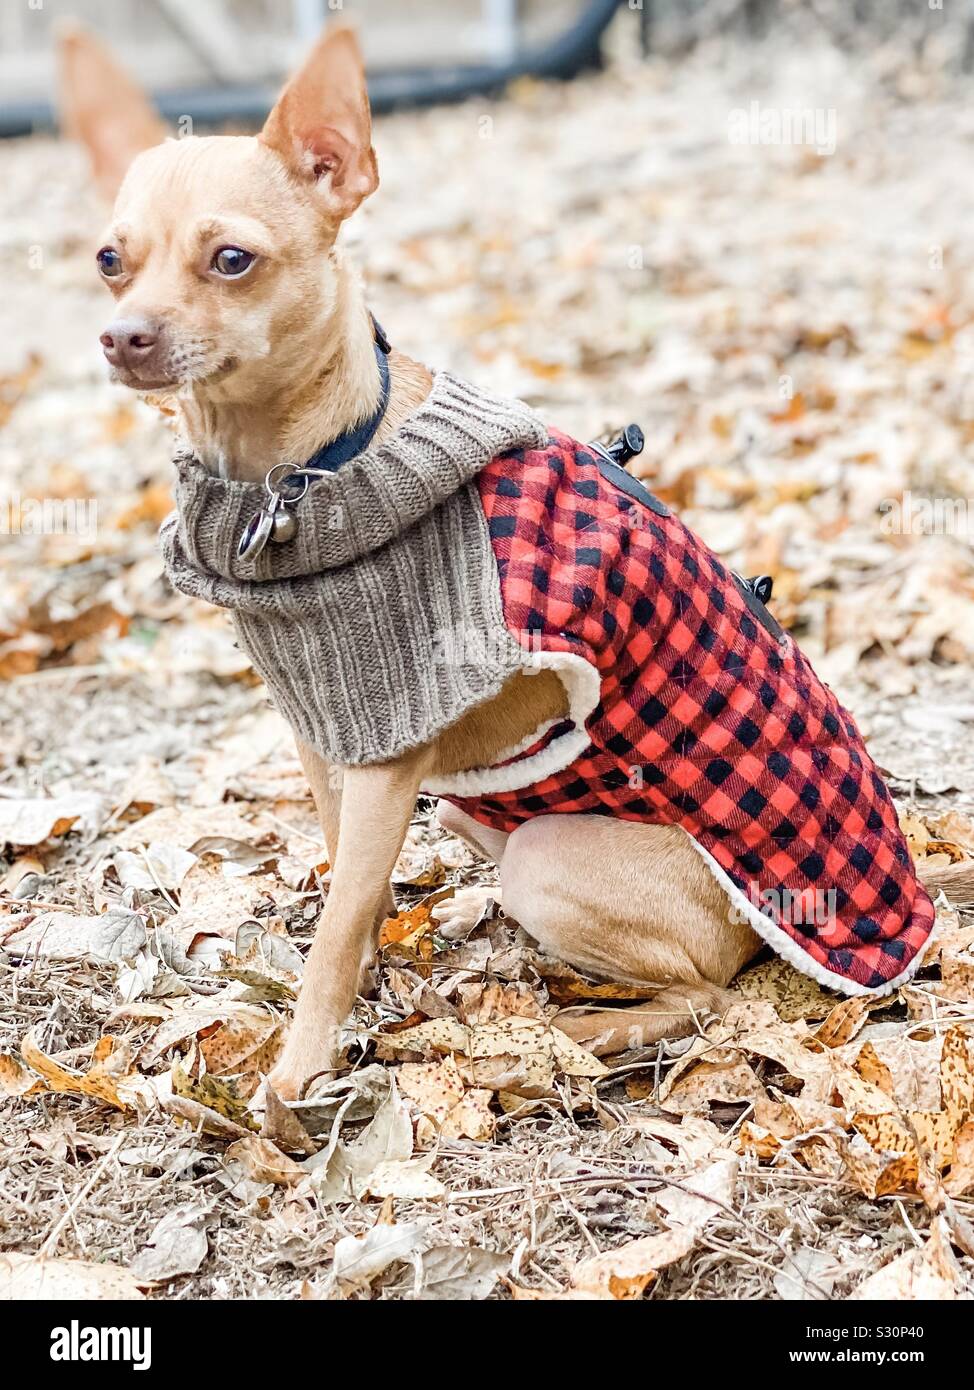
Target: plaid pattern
point(710, 718)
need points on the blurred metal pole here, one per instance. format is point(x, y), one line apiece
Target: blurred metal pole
point(211, 35)
point(309, 19)
point(500, 29)
point(646, 26)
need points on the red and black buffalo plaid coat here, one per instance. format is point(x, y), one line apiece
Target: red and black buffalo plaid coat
point(691, 707)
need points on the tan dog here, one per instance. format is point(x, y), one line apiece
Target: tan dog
point(233, 301)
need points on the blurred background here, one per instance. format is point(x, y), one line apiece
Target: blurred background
point(744, 224)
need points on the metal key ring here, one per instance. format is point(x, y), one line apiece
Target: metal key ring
point(273, 486)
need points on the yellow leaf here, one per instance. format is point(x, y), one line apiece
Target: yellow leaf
point(101, 1081)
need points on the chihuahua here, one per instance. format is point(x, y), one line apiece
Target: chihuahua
point(235, 310)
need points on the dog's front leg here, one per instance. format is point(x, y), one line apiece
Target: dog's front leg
point(325, 781)
point(376, 806)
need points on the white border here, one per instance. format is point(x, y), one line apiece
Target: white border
point(782, 944)
point(583, 685)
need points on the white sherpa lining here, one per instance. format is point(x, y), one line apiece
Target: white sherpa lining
point(782, 944)
point(583, 687)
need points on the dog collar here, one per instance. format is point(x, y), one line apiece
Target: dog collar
point(286, 485)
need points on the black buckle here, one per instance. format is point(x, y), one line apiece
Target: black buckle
point(760, 586)
point(611, 460)
point(627, 446)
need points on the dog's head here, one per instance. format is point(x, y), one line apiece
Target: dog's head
point(220, 250)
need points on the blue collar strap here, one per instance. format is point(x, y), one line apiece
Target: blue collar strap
point(286, 485)
point(331, 456)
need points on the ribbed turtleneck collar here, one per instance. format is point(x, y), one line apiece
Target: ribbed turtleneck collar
point(371, 499)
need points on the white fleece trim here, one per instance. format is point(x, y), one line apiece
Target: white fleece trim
point(583, 686)
point(782, 944)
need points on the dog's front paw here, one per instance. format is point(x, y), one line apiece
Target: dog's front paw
point(302, 1060)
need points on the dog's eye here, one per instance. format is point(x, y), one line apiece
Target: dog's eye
point(109, 262)
point(232, 261)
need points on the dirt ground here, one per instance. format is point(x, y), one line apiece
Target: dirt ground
point(794, 330)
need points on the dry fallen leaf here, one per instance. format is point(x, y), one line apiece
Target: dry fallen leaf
point(32, 821)
point(513, 1054)
point(629, 1270)
point(360, 1259)
point(219, 1094)
point(929, 1273)
point(794, 994)
point(844, 1021)
point(111, 1079)
point(460, 1272)
point(448, 1109)
point(486, 1003)
point(42, 1279)
point(724, 1076)
point(434, 1087)
point(905, 1141)
point(263, 1161)
point(176, 1245)
point(283, 1127)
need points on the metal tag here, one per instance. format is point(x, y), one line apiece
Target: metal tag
point(256, 533)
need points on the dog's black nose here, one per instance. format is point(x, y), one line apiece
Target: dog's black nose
point(133, 346)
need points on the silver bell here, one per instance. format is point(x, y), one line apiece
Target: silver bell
point(285, 526)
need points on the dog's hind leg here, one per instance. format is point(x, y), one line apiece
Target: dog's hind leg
point(628, 902)
point(459, 914)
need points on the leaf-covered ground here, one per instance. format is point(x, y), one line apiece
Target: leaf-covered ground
point(793, 333)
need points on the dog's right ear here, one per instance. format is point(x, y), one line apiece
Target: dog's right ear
point(102, 107)
point(321, 126)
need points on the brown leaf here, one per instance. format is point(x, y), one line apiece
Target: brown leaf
point(629, 1270)
point(724, 1077)
point(513, 1054)
point(433, 1087)
point(960, 1179)
point(263, 1161)
point(15, 1078)
point(873, 1069)
point(956, 1076)
point(248, 1040)
point(32, 821)
point(283, 1127)
point(485, 1003)
point(793, 994)
point(213, 1093)
point(844, 1021)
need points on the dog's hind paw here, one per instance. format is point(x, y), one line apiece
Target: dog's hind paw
point(456, 917)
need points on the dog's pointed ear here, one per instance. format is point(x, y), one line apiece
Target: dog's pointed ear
point(102, 107)
point(321, 125)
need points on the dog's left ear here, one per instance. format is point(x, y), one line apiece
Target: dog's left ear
point(321, 126)
point(102, 107)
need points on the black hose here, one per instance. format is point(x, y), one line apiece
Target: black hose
point(576, 50)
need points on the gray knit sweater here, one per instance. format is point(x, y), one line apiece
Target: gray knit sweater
point(380, 623)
